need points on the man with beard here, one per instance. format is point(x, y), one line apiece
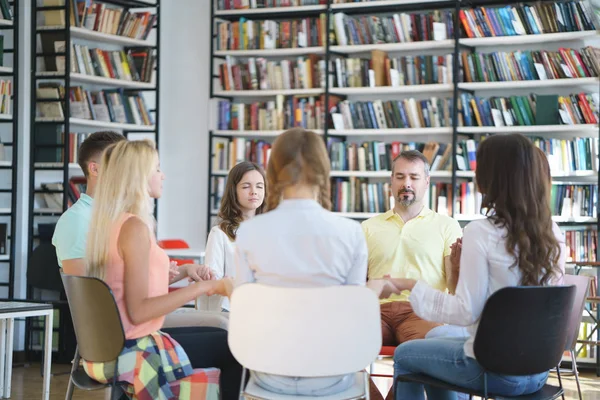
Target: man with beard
point(410, 241)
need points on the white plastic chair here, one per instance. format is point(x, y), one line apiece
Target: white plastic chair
point(305, 332)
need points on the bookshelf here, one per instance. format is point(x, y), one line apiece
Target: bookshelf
point(9, 127)
point(94, 68)
point(469, 47)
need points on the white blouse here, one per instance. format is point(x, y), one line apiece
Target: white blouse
point(300, 244)
point(219, 257)
point(484, 269)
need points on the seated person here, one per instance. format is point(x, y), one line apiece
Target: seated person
point(299, 242)
point(517, 244)
point(72, 227)
point(122, 251)
point(243, 198)
point(409, 241)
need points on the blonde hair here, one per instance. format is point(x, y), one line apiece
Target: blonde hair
point(123, 187)
point(298, 156)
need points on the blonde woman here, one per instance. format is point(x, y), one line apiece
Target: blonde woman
point(122, 251)
point(299, 242)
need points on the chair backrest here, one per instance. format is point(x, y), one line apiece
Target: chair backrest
point(98, 327)
point(173, 244)
point(304, 332)
point(523, 330)
point(582, 283)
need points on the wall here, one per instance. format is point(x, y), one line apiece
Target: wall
point(184, 91)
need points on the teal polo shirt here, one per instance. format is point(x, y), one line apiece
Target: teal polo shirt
point(70, 234)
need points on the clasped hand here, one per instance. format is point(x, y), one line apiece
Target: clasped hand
point(387, 286)
point(194, 272)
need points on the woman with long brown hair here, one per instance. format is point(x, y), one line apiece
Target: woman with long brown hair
point(299, 242)
point(517, 244)
point(243, 198)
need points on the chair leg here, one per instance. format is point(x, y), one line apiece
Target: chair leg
point(575, 372)
point(242, 383)
point(74, 367)
point(560, 381)
point(485, 385)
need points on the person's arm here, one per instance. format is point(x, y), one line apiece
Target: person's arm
point(215, 254)
point(451, 270)
point(465, 306)
point(75, 266)
point(358, 271)
point(134, 247)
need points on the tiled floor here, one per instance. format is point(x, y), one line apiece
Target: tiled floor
point(27, 384)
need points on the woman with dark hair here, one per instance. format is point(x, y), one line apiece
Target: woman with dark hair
point(517, 244)
point(243, 198)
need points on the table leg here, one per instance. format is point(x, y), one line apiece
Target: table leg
point(47, 356)
point(2, 355)
point(10, 330)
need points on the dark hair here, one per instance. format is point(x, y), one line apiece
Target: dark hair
point(515, 187)
point(412, 156)
point(94, 145)
point(298, 156)
point(230, 212)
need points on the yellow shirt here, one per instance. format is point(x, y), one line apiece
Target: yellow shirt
point(413, 250)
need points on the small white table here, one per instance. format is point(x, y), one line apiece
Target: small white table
point(9, 310)
point(192, 254)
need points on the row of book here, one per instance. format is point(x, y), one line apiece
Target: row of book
point(5, 97)
point(574, 109)
point(530, 65)
point(260, 74)
point(569, 16)
point(285, 111)
point(269, 34)
point(571, 201)
point(227, 153)
point(396, 28)
point(254, 4)
point(568, 156)
point(358, 195)
point(581, 244)
point(109, 19)
point(380, 70)
point(6, 10)
point(113, 105)
point(406, 113)
point(117, 64)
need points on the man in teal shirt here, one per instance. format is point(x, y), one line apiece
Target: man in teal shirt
point(70, 234)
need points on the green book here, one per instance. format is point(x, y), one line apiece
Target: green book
point(546, 110)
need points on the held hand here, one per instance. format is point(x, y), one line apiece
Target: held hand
point(402, 284)
point(173, 270)
point(197, 273)
point(455, 252)
point(383, 288)
point(222, 287)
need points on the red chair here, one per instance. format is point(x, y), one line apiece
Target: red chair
point(386, 351)
point(175, 244)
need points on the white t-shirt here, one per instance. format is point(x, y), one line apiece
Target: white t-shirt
point(219, 257)
point(484, 269)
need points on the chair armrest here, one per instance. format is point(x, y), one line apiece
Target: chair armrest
point(190, 317)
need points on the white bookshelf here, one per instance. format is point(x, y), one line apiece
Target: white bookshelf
point(87, 34)
point(392, 132)
point(299, 51)
point(73, 166)
point(555, 218)
point(583, 130)
point(6, 70)
point(527, 39)
point(385, 90)
point(5, 163)
point(356, 215)
point(269, 10)
point(270, 92)
point(447, 44)
point(90, 123)
point(6, 22)
point(232, 133)
point(101, 80)
point(4, 257)
point(546, 83)
point(386, 3)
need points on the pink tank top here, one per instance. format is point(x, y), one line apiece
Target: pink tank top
point(158, 281)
